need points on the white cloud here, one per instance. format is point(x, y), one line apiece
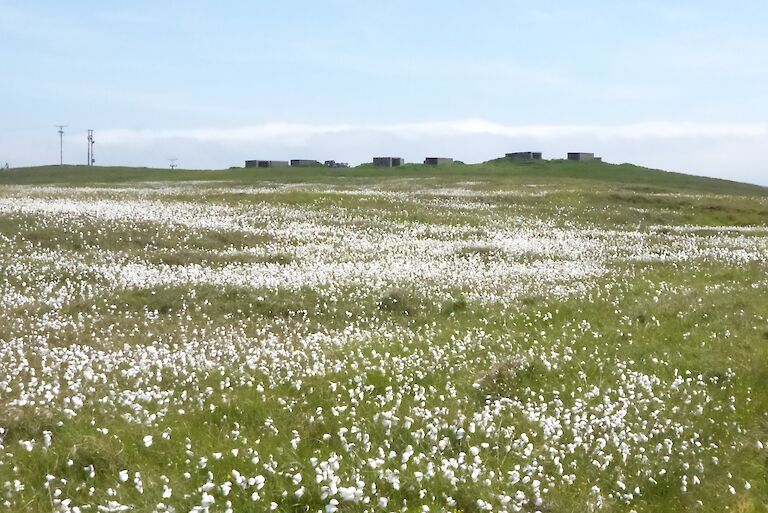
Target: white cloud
point(301, 132)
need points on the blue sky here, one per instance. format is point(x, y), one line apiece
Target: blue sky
point(674, 85)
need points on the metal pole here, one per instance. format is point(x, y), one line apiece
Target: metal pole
point(61, 144)
point(90, 148)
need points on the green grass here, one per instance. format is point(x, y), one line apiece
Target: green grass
point(492, 174)
point(219, 341)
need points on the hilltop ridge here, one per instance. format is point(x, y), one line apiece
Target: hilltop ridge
point(498, 172)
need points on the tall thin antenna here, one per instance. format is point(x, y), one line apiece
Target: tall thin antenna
point(173, 163)
point(61, 143)
point(91, 141)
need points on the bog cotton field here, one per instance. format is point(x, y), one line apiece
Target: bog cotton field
point(212, 348)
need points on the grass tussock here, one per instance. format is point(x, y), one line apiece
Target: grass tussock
point(24, 424)
point(399, 301)
point(103, 452)
point(507, 378)
point(483, 252)
point(454, 306)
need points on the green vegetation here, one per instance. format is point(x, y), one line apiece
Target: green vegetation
point(491, 174)
point(547, 336)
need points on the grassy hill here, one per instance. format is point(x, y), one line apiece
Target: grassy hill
point(492, 174)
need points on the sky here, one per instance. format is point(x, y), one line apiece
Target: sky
point(672, 85)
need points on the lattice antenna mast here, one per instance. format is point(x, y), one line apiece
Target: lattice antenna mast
point(91, 141)
point(61, 143)
point(172, 163)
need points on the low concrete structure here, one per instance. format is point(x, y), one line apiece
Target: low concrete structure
point(388, 161)
point(582, 156)
point(524, 155)
point(437, 161)
point(304, 163)
point(266, 163)
point(334, 164)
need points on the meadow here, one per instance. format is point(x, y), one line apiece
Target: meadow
point(544, 337)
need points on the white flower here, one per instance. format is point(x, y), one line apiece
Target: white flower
point(348, 493)
point(138, 483)
point(206, 500)
point(113, 507)
point(258, 482)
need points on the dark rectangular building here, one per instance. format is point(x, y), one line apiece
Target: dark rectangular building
point(266, 163)
point(581, 156)
point(525, 155)
point(304, 163)
point(437, 161)
point(388, 161)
